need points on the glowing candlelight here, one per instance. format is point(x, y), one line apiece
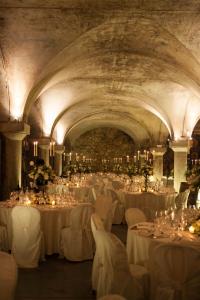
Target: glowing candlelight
point(147, 155)
point(138, 155)
point(35, 148)
point(53, 202)
point(28, 202)
point(191, 229)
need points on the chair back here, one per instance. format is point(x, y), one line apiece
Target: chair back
point(134, 216)
point(26, 235)
point(114, 274)
point(8, 276)
point(175, 272)
point(80, 216)
point(103, 206)
point(96, 223)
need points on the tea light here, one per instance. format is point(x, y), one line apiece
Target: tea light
point(191, 229)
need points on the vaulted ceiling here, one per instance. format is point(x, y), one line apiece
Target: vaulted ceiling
point(69, 66)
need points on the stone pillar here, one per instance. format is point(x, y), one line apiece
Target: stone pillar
point(14, 133)
point(158, 153)
point(59, 150)
point(44, 145)
point(180, 149)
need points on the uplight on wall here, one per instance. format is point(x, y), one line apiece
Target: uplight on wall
point(60, 134)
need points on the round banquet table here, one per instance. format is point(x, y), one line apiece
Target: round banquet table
point(142, 200)
point(53, 219)
point(140, 240)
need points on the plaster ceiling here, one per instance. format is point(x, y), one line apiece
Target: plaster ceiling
point(69, 66)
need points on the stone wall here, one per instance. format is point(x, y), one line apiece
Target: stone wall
point(104, 143)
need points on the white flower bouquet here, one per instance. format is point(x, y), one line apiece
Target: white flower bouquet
point(40, 174)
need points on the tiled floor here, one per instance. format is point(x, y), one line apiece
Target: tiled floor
point(59, 279)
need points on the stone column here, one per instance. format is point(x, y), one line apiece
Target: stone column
point(44, 145)
point(59, 150)
point(14, 133)
point(158, 153)
point(180, 149)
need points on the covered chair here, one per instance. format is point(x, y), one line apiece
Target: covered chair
point(114, 274)
point(175, 272)
point(76, 240)
point(181, 199)
point(120, 210)
point(8, 276)
point(134, 216)
point(27, 236)
point(105, 208)
point(96, 224)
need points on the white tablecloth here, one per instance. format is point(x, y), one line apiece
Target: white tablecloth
point(154, 201)
point(52, 220)
point(138, 244)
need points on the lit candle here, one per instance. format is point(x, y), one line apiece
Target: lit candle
point(70, 156)
point(134, 158)
point(53, 202)
point(35, 148)
point(147, 155)
point(53, 148)
point(50, 149)
point(127, 158)
point(191, 229)
point(138, 155)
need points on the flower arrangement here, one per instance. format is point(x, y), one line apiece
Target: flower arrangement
point(132, 170)
point(117, 169)
point(195, 227)
point(146, 171)
point(40, 174)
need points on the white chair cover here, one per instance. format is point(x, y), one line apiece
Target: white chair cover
point(3, 238)
point(112, 297)
point(104, 208)
point(120, 210)
point(27, 236)
point(175, 272)
point(181, 199)
point(114, 273)
point(77, 240)
point(134, 216)
point(8, 276)
point(96, 224)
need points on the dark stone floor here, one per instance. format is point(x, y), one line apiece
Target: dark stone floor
point(59, 279)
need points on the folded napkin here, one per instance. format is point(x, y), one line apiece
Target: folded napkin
point(143, 225)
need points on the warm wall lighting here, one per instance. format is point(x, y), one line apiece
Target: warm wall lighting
point(17, 93)
point(60, 134)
